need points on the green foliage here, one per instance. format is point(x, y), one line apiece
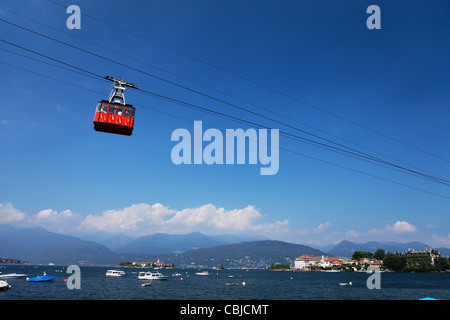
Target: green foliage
point(415, 262)
point(394, 262)
point(441, 264)
point(379, 254)
point(357, 255)
point(278, 266)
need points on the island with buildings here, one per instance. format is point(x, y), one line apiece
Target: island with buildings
point(428, 260)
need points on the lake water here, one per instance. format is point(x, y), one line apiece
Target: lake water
point(224, 285)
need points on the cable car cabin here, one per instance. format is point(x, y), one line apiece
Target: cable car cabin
point(114, 118)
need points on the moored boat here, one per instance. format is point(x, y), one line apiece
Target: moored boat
point(4, 285)
point(12, 276)
point(115, 273)
point(151, 276)
point(345, 283)
point(43, 278)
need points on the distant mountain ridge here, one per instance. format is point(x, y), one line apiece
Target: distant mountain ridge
point(346, 248)
point(252, 254)
point(41, 246)
point(169, 243)
point(37, 245)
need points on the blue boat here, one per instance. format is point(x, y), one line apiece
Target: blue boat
point(43, 278)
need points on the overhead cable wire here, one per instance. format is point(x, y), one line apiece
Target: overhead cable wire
point(350, 151)
point(260, 85)
point(353, 151)
point(189, 89)
point(48, 57)
point(288, 150)
point(210, 88)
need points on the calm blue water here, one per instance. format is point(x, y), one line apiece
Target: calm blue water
point(259, 284)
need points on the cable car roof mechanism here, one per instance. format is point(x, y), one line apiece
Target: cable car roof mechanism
point(114, 115)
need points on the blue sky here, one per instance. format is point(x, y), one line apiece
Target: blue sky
point(367, 89)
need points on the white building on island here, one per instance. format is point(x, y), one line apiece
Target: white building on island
point(305, 262)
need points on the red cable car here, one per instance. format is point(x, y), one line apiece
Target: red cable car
point(114, 115)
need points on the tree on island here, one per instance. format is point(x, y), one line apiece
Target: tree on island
point(358, 255)
point(279, 266)
point(441, 264)
point(379, 254)
point(394, 262)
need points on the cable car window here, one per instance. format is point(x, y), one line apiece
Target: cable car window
point(132, 112)
point(104, 107)
point(119, 110)
point(127, 112)
point(112, 109)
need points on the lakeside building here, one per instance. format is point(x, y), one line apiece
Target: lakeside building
point(156, 265)
point(372, 262)
point(307, 262)
point(8, 260)
point(418, 255)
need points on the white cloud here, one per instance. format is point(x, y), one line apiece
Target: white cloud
point(143, 219)
point(441, 240)
point(9, 214)
point(137, 218)
point(219, 219)
point(52, 220)
point(322, 227)
point(401, 227)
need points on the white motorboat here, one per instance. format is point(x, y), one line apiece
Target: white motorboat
point(115, 273)
point(4, 285)
point(12, 276)
point(345, 283)
point(203, 273)
point(148, 275)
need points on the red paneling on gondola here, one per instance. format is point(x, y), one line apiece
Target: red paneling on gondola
point(114, 118)
point(114, 115)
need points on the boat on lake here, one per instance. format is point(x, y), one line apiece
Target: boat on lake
point(203, 273)
point(345, 283)
point(12, 276)
point(4, 285)
point(148, 275)
point(43, 278)
point(115, 273)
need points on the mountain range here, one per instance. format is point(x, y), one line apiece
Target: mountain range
point(37, 245)
point(41, 246)
point(346, 248)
